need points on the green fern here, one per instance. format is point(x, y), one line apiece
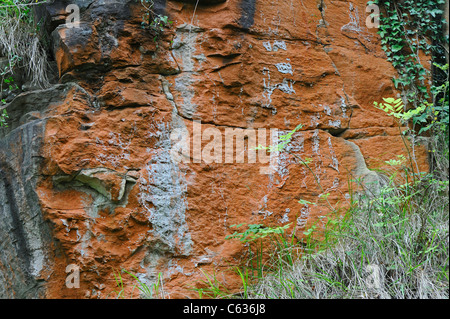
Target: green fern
point(391, 106)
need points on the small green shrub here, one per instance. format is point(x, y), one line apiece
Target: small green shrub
point(152, 21)
point(429, 115)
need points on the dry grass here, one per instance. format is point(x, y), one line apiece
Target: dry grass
point(20, 43)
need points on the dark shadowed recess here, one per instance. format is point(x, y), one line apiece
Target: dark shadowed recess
point(248, 13)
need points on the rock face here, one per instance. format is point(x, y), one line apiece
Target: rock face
point(89, 169)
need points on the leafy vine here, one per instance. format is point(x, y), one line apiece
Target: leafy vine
point(409, 30)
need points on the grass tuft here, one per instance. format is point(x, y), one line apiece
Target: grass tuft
point(20, 43)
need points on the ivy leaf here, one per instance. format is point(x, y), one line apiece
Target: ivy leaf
point(396, 47)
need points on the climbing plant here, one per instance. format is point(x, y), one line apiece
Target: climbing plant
point(409, 31)
point(412, 35)
point(153, 21)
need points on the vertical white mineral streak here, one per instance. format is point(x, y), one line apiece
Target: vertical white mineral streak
point(163, 190)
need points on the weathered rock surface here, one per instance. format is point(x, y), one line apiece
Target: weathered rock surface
point(87, 172)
